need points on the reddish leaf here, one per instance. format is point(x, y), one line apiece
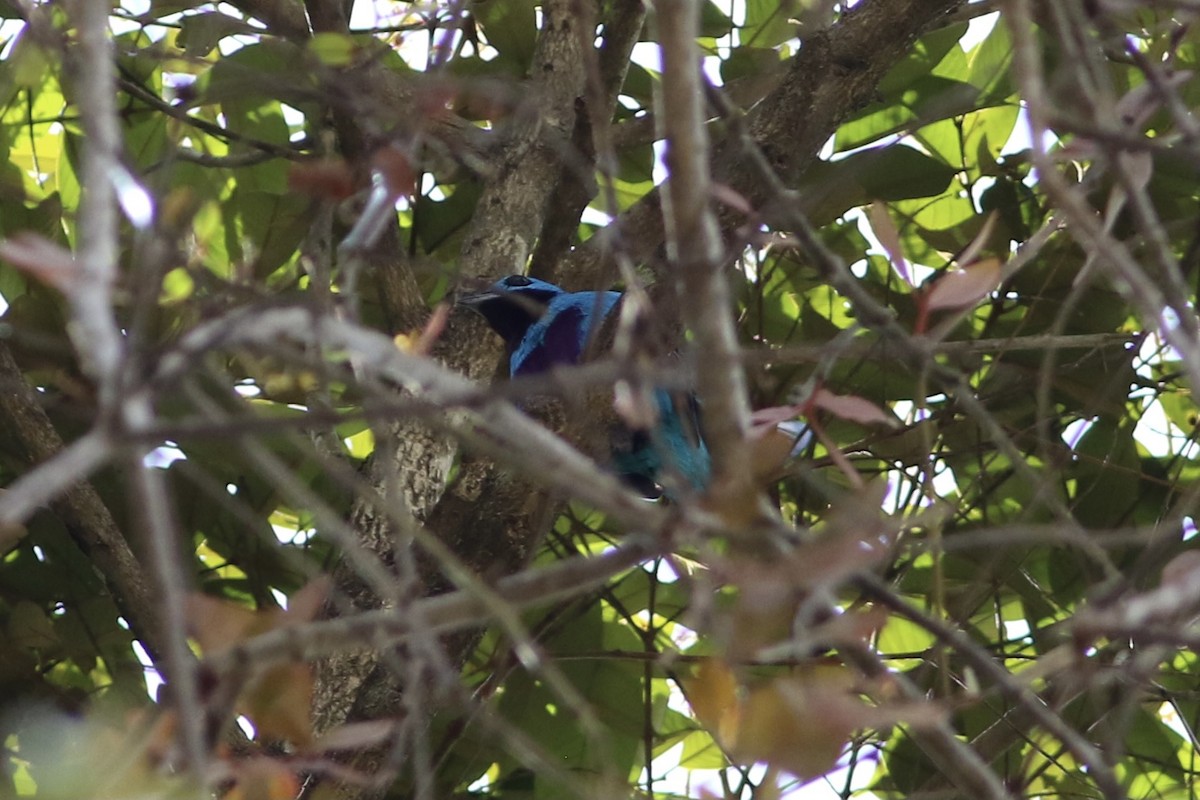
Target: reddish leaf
point(484, 100)
point(769, 450)
point(769, 446)
point(279, 700)
point(220, 624)
point(329, 179)
point(885, 231)
point(729, 196)
point(829, 561)
point(50, 263)
point(1140, 167)
point(853, 627)
point(396, 169)
point(852, 407)
point(962, 288)
point(765, 418)
point(306, 602)
point(433, 329)
point(1182, 570)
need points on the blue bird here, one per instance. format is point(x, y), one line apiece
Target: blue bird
point(543, 326)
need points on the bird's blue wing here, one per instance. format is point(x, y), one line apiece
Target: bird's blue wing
point(561, 335)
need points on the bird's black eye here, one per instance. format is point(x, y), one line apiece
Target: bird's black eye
point(517, 280)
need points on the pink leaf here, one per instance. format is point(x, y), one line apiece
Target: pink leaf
point(885, 231)
point(46, 261)
point(962, 288)
point(853, 408)
point(765, 419)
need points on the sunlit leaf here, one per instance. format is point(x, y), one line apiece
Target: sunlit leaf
point(964, 287)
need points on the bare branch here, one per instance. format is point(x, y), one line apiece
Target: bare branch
point(95, 331)
point(694, 245)
point(444, 613)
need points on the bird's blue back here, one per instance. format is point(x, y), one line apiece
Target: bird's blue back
point(562, 333)
point(559, 335)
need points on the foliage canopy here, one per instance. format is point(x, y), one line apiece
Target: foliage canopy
point(251, 446)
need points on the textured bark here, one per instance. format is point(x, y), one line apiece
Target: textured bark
point(489, 517)
point(591, 138)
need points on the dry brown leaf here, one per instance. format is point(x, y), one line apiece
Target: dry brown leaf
point(713, 696)
point(799, 724)
point(219, 624)
point(279, 703)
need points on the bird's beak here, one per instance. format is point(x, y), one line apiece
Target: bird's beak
point(476, 298)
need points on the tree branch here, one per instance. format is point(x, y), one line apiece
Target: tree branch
point(695, 249)
point(60, 480)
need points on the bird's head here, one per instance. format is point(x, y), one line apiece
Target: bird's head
point(512, 304)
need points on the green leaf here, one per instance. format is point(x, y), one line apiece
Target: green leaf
point(333, 49)
point(1106, 474)
point(930, 98)
point(272, 70)
point(985, 132)
point(768, 23)
point(751, 63)
point(271, 227)
point(989, 64)
point(927, 53)
point(201, 32)
point(714, 22)
point(435, 222)
point(701, 752)
point(891, 173)
point(510, 26)
point(900, 173)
